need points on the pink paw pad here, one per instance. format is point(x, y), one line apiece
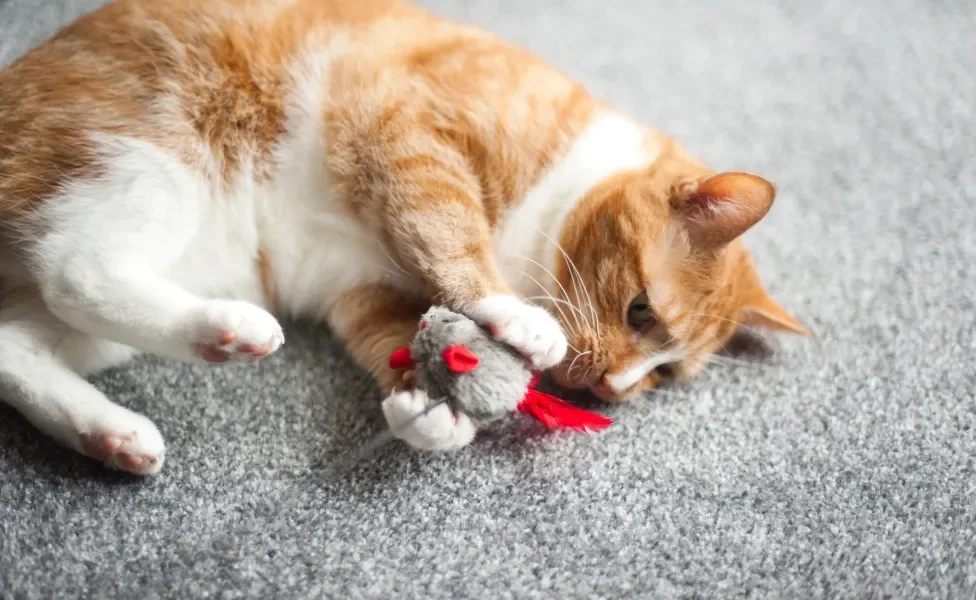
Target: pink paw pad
point(110, 449)
point(225, 349)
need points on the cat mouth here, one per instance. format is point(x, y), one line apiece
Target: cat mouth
point(607, 394)
point(606, 390)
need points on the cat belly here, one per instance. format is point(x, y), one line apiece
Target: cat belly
point(316, 247)
point(315, 258)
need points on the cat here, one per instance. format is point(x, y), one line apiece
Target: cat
point(173, 173)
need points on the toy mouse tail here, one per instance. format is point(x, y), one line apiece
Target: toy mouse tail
point(559, 414)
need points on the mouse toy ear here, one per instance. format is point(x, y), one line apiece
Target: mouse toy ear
point(401, 359)
point(459, 359)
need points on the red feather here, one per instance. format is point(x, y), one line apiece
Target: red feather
point(401, 359)
point(459, 359)
point(559, 414)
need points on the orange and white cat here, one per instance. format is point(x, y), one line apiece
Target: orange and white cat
point(175, 172)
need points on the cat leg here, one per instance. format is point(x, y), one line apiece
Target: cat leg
point(158, 316)
point(42, 361)
point(444, 238)
point(104, 256)
point(374, 321)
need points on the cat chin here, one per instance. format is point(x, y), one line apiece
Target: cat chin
point(602, 391)
point(562, 379)
point(613, 398)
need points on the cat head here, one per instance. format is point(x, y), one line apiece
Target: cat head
point(658, 277)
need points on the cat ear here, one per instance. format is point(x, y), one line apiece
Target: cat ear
point(766, 312)
point(717, 209)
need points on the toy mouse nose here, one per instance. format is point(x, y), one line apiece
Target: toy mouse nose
point(423, 324)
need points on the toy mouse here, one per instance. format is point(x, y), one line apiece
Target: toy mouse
point(457, 360)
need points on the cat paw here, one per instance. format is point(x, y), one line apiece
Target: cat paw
point(529, 329)
point(229, 330)
point(129, 443)
point(438, 430)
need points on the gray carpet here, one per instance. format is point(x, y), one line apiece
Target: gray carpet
point(841, 467)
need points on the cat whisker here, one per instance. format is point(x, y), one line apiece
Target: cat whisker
point(727, 360)
point(573, 348)
point(587, 373)
point(569, 371)
point(571, 326)
point(547, 296)
point(736, 323)
point(376, 365)
point(548, 272)
point(714, 337)
point(556, 301)
point(391, 274)
point(576, 276)
point(395, 264)
point(569, 265)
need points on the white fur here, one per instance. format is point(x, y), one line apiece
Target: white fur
point(133, 259)
point(153, 256)
point(317, 249)
point(527, 328)
point(134, 255)
point(527, 240)
point(621, 382)
point(42, 363)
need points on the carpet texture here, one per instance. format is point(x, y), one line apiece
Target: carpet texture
point(839, 467)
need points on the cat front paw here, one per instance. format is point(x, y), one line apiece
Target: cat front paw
point(440, 429)
point(229, 330)
point(126, 441)
point(530, 329)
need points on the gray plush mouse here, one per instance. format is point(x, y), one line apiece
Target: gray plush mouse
point(457, 360)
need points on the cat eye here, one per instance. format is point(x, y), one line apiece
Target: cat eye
point(640, 316)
